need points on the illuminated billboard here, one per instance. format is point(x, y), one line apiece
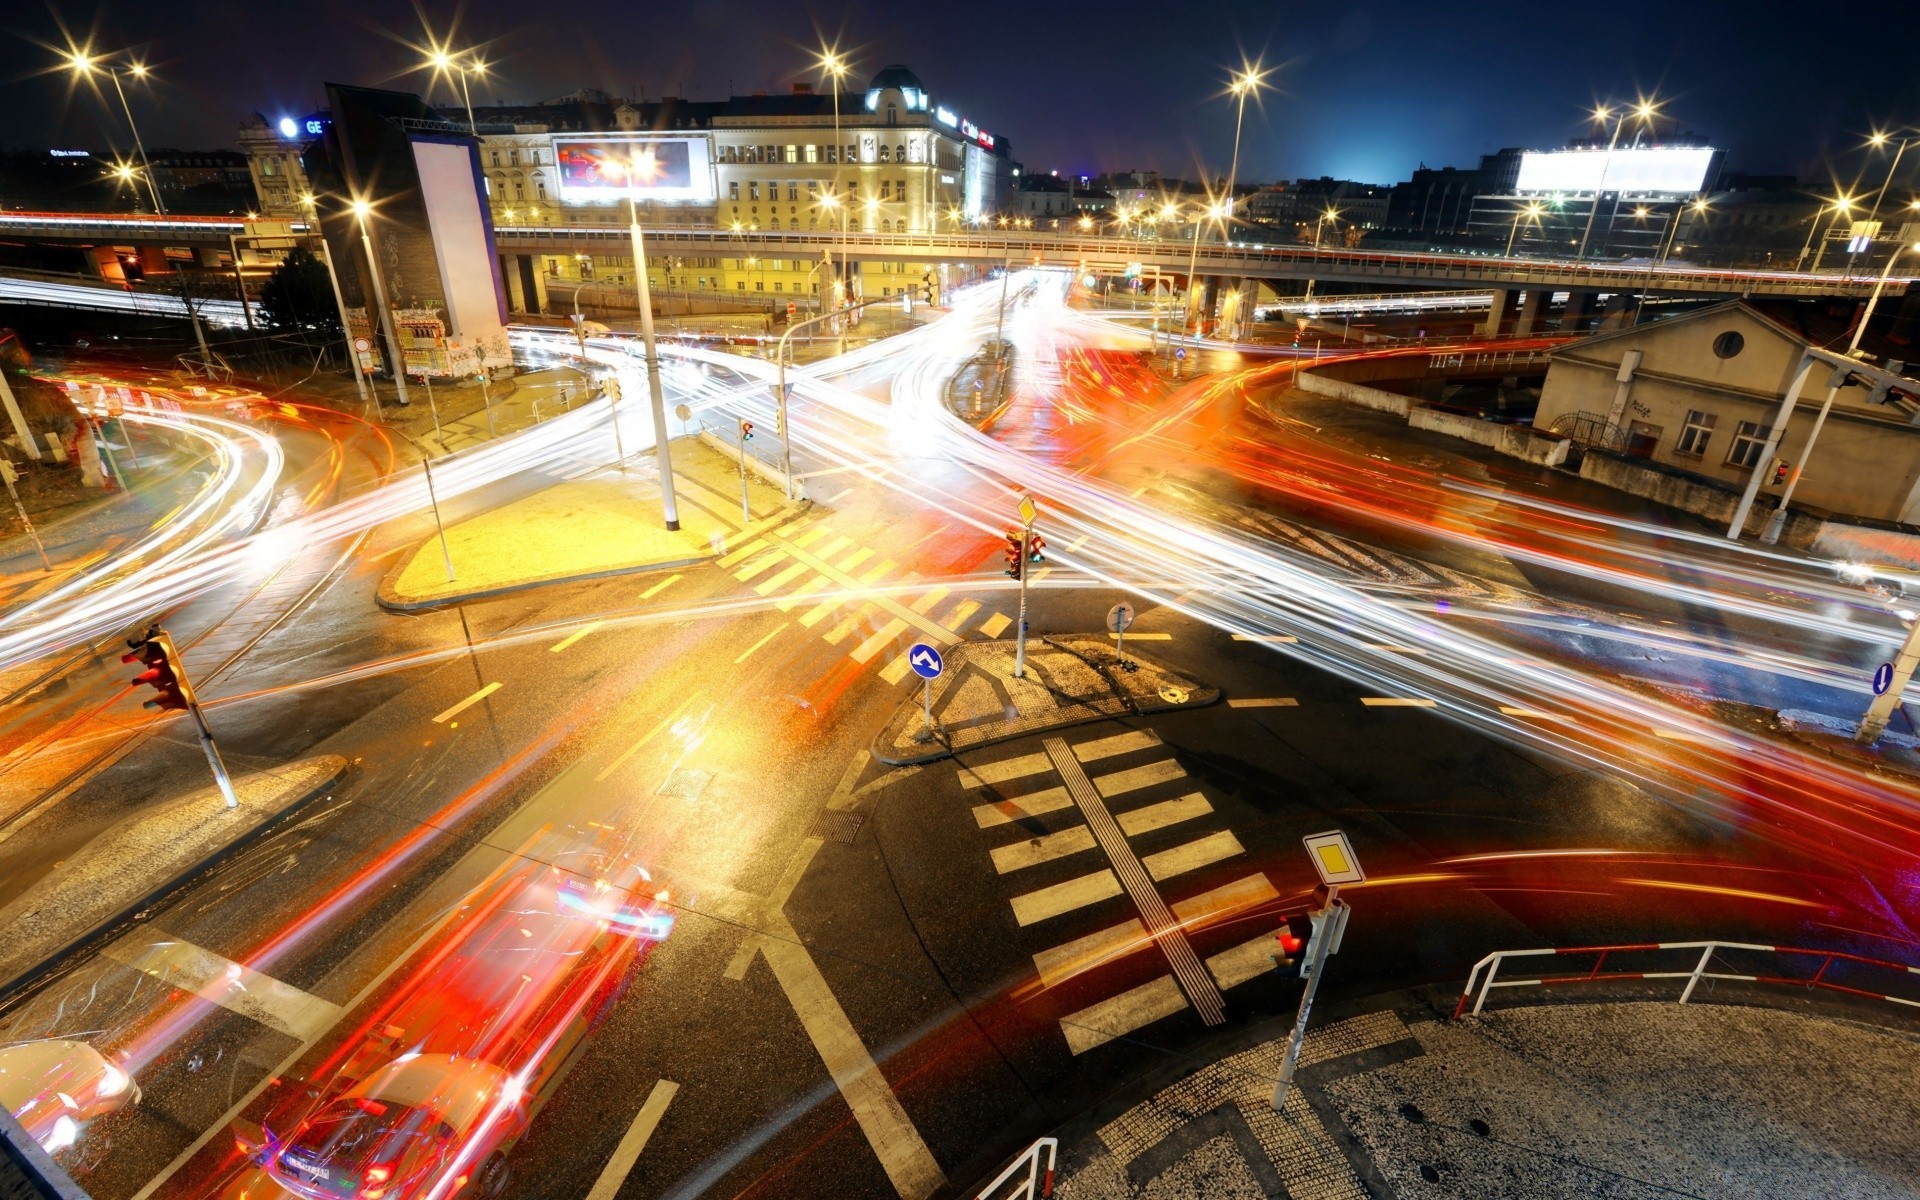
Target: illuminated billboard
point(660, 168)
point(1680, 170)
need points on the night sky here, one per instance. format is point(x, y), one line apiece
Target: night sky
point(1362, 90)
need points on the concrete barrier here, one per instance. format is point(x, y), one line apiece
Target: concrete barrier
point(1354, 393)
point(1866, 544)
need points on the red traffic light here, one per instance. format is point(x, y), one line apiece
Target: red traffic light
point(1289, 944)
point(160, 674)
point(1016, 558)
point(746, 431)
point(1036, 548)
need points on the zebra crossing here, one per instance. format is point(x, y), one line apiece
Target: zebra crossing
point(1108, 849)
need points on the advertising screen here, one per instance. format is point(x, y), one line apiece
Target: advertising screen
point(646, 168)
point(462, 249)
point(1677, 169)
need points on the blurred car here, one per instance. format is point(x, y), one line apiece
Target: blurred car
point(442, 1079)
point(55, 1086)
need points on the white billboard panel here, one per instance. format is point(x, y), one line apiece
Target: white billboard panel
point(1681, 170)
point(657, 167)
point(450, 191)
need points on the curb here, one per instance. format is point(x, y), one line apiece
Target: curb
point(56, 961)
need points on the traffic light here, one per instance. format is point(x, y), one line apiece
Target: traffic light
point(926, 287)
point(1781, 469)
point(612, 388)
point(746, 432)
point(1036, 548)
point(155, 651)
point(1295, 940)
point(1016, 560)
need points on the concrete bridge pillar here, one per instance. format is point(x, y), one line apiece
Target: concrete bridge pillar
point(1249, 300)
point(1579, 311)
point(510, 276)
point(1209, 300)
point(1618, 315)
point(1500, 314)
point(1533, 309)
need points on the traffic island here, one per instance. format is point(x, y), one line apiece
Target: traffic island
point(604, 525)
point(1070, 679)
point(137, 862)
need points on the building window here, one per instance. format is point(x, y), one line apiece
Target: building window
point(733, 190)
point(851, 152)
point(883, 154)
point(899, 154)
point(1695, 434)
point(773, 223)
point(886, 189)
point(793, 189)
point(1748, 442)
point(760, 285)
point(519, 190)
point(540, 188)
point(813, 224)
point(513, 158)
point(753, 190)
point(533, 156)
point(778, 286)
point(740, 284)
point(793, 154)
point(813, 153)
point(496, 158)
point(1729, 344)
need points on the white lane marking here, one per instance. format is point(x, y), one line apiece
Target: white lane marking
point(1015, 808)
point(1119, 743)
point(996, 624)
point(902, 1153)
point(1098, 1024)
point(812, 534)
point(1394, 702)
point(628, 1151)
point(896, 670)
point(461, 707)
point(662, 586)
point(752, 547)
point(1135, 778)
point(1062, 963)
point(748, 652)
point(930, 599)
point(573, 637)
point(1264, 702)
point(1142, 637)
point(1193, 855)
point(838, 497)
point(233, 986)
point(1266, 639)
point(879, 641)
point(1065, 897)
point(778, 580)
point(1135, 822)
point(960, 614)
point(775, 555)
point(1043, 849)
point(988, 774)
point(1249, 960)
point(1226, 899)
point(793, 600)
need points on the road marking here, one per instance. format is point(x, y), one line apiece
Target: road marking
point(663, 724)
point(1042, 849)
point(751, 548)
point(1394, 702)
point(834, 547)
point(1017, 808)
point(1390, 648)
point(1062, 963)
point(1135, 778)
point(855, 559)
point(960, 614)
point(1098, 1024)
point(838, 497)
point(1682, 735)
point(818, 612)
point(879, 641)
point(892, 606)
point(902, 1153)
point(930, 599)
point(1077, 543)
point(876, 573)
point(1137, 821)
point(628, 1151)
point(1264, 702)
point(789, 602)
point(662, 586)
point(461, 707)
point(839, 633)
point(1530, 714)
point(231, 985)
point(748, 652)
point(779, 579)
point(988, 774)
point(573, 637)
point(1266, 639)
point(775, 555)
point(897, 670)
point(1142, 637)
point(1119, 743)
point(1134, 873)
point(1228, 898)
point(812, 534)
point(1065, 897)
point(1193, 855)
point(1249, 960)
point(995, 624)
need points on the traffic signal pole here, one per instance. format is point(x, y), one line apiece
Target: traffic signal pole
point(167, 675)
point(1328, 924)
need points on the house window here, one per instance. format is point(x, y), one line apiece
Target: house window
point(1748, 443)
point(740, 284)
point(519, 191)
point(513, 158)
point(883, 154)
point(793, 154)
point(540, 188)
point(1695, 434)
point(534, 157)
point(733, 190)
point(793, 190)
point(778, 286)
point(813, 153)
point(899, 154)
point(886, 189)
point(753, 190)
point(496, 158)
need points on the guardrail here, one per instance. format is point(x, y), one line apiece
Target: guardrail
point(1831, 963)
point(1024, 1178)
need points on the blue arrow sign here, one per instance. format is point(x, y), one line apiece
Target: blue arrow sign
point(1882, 679)
point(925, 661)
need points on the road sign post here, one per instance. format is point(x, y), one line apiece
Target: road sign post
point(1028, 511)
point(446, 556)
point(1119, 618)
point(1889, 684)
point(746, 435)
point(927, 664)
point(8, 473)
point(1332, 856)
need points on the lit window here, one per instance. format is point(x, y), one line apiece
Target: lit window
point(793, 154)
point(813, 153)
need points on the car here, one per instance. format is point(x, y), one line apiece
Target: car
point(442, 1078)
point(55, 1086)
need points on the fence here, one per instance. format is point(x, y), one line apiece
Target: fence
point(1834, 967)
point(1025, 1178)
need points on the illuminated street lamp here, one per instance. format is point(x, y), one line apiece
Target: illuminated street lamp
point(1842, 206)
point(1246, 82)
point(1642, 112)
point(462, 64)
point(1532, 213)
point(1216, 212)
point(834, 68)
point(1699, 208)
point(1879, 141)
point(641, 168)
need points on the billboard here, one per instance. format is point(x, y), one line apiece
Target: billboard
point(646, 167)
point(1681, 170)
point(462, 246)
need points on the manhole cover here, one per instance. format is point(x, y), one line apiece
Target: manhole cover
point(834, 825)
point(1173, 693)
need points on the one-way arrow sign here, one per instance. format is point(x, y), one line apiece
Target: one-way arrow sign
point(925, 661)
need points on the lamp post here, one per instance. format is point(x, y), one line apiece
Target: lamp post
point(361, 211)
point(1246, 82)
point(1878, 140)
point(1319, 225)
point(841, 298)
point(1699, 207)
point(644, 168)
point(1842, 205)
point(834, 68)
point(1532, 212)
point(451, 64)
point(1643, 111)
point(87, 64)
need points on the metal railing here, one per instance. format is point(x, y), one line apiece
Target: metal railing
point(1832, 963)
point(1025, 1178)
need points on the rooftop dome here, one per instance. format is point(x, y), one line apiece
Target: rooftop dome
point(896, 76)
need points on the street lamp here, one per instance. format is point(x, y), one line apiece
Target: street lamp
point(1244, 83)
point(450, 63)
point(642, 168)
point(1532, 213)
point(1214, 211)
point(1699, 208)
point(1877, 141)
point(1643, 112)
point(834, 68)
point(1842, 206)
point(1320, 223)
point(361, 212)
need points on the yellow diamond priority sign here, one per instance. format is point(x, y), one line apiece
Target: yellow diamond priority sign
point(1333, 857)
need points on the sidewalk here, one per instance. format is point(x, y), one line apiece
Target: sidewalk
point(604, 524)
point(1625, 1100)
point(467, 418)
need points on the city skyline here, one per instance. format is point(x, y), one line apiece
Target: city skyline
point(1346, 97)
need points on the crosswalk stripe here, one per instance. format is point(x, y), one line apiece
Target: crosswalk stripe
point(1134, 874)
point(1266, 639)
point(1135, 822)
point(988, 774)
point(930, 599)
point(834, 547)
point(746, 573)
point(839, 574)
point(818, 612)
point(231, 985)
point(875, 574)
point(793, 599)
point(996, 624)
point(751, 548)
point(1193, 855)
point(855, 559)
point(1248, 960)
point(841, 632)
point(779, 579)
point(1018, 808)
point(1062, 963)
point(1119, 743)
point(1135, 778)
point(1042, 849)
point(879, 641)
point(960, 614)
point(1228, 898)
point(1065, 897)
point(896, 670)
point(1394, 702)
point(811, 535)
point(1098, 1024)
point(1264, 702)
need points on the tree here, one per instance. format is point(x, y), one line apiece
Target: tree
point(298, 300)
point(1353, 235)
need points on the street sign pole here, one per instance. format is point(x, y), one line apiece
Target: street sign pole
point(427, 466)
point(220, 777)
point(746, 432)
point(1888, 694)
point(1119, 620)
point(1027, 513)
point(927, 664)
point(8, 473)
point(1332, 856)
point(1316, 962)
